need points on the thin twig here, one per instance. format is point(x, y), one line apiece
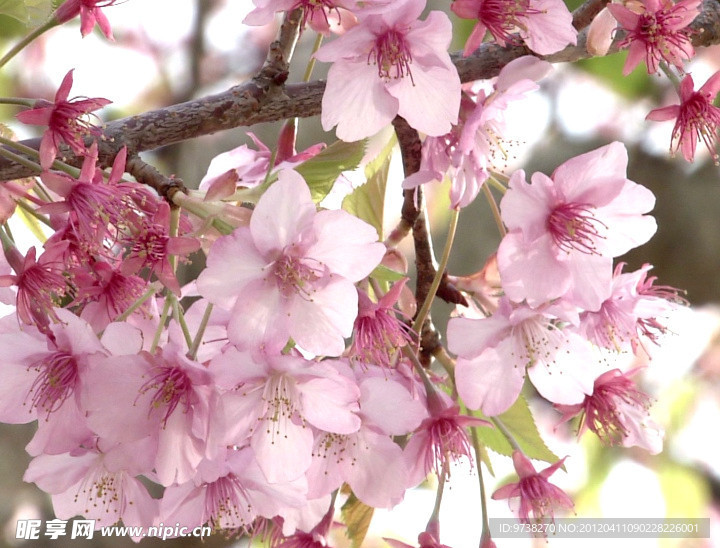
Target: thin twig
point(266, 98)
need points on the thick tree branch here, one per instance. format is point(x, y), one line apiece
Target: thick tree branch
point(266, 99)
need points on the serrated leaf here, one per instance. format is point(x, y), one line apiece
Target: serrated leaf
point(384, 274)
point(520, 423)
point(28, 12)
point(357, 517)
point(367, 201)
point(321, 171)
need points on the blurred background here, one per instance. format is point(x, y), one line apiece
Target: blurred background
point(169, 51)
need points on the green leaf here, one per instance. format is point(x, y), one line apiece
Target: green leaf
point(321, 171)
point(357, 517)
point(28, 12)
point(384, 274)
point(367, 202)
point(520, 423)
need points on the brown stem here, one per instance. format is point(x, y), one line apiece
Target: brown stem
point(148, 175)
point(584, 15)
point(266, 99)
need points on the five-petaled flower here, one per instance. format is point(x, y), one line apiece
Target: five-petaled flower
point(696, 118)
point(658, 33)
point(537, 494)
point(64, 122)
point(391, 63)
point(90, 13)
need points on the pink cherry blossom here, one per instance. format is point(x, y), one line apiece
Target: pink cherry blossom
point(696, 118)
point(617, 411)
point(229, 494)
point(291, 272)
point(90, 13)
point(247, 168)
point(151, 246)
point(544, 25)
point(565, 229)
point(93, 204)
point(495, 352)
point(63, 118)
point(270, 400)
point(167, 398)
point(391, 64)
point(104, 293)
point(466, 153)
point(440, 440)
point(633, 311)
point(537, 494)
point(368, 460)
point(99, 483)
point(40, 283)
point(657, 33)
point(322, 16)
point(378, 333)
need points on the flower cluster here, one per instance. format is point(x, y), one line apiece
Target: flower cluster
point(296, 367)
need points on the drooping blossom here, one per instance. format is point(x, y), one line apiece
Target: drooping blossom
point(104, 293)
point(324, 16)
point(696, 118)
point(92, 203)
point(633, 311)
point(544, 25)
point(466, 153)
point(40, 282)
point(291, 272)
point(617, 411)
point(64, 121)
point(564, 230)
point(657, 32)
point(391, 64)
point(494, 354)
point(90, 13)
point(378, 333)
point(440, 440)
point(537, 495)
point(151, 247)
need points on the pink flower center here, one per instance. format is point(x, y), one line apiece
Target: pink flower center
point(572, 226)
point(95, 205)
point(151, 244)
point(699, 116)
point(311, 6)
point(601, 409)
point(536, 495)
point(172, 387)
point(502, 17)
point(449, 441)
point(38, 288)
point(391, 53)
point(378, 337)
point(56, 381)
